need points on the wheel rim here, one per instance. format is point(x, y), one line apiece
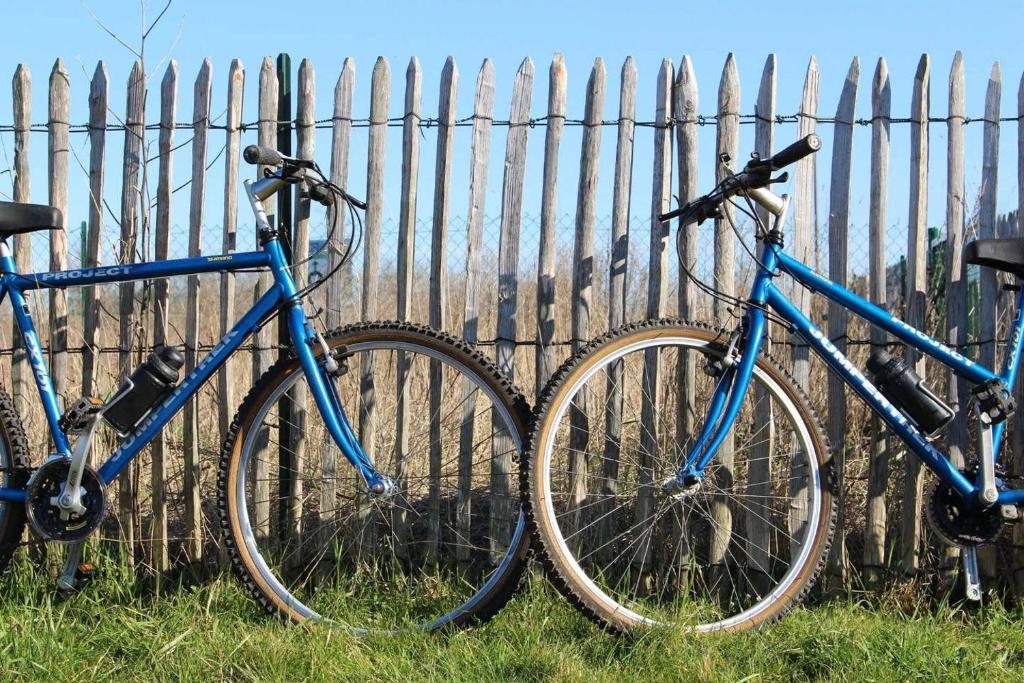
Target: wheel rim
point(595, 527)
point(437, 582)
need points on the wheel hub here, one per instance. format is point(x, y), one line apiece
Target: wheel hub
point(57, 514)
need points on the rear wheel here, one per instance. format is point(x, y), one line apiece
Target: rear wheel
point(448, 549)
point(734, 552)
point(14, 459)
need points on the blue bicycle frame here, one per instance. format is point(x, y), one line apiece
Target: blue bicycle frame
point(283, 295)
point(732, 386)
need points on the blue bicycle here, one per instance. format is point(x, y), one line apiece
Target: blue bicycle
point(417, 525)
point(645, 513)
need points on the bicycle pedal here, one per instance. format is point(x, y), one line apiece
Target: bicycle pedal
point(83, 576)
point(78, 415)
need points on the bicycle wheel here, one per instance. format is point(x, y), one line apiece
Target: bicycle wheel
point(308, 542)
point(613, 423)
point(14, 459)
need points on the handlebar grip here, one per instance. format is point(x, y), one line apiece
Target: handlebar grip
point(795, 152)
point(671, 214)
point(254, 154)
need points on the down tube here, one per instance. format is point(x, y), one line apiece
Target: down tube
point(854, 378)
point(173, 403)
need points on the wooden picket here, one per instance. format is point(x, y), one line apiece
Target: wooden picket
point(58, 151)
point(878, 456)
point(839, 271)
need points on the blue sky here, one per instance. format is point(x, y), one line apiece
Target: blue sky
point(327, 32)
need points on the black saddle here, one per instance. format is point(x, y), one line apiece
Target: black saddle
point(16, 218)
point(1002, 254)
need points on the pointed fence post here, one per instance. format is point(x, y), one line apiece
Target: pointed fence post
point(58, 147)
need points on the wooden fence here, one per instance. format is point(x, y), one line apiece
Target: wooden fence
point(881, 526)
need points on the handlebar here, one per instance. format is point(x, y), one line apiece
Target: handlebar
point(254, 154)
point(756, 174)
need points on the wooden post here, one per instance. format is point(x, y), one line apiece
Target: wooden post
point(725, 274)
point(621, 194)
point(804, 228)
point(1018, 461)
point(341, 136)
point(957, 391)
point(158, 468)
point(405, 268)
point(262, 355)
point(58, 195)
point(878, 467)
point(438, 288)
point(917, 255)
point(134, 139)
point(545, 355)
point(503, 489)
point(21, 373)
point(657, 284)
point(685, 108)
point(483, 113)
point(761, 536)
point(97, 148)
point(988, 229)
point(305, 133)
point(582, 282)
point(838, 319)
point(200, 131)
point(380, 89)
point(236, 85)
point(804, 238)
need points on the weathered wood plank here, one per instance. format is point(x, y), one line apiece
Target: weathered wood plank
point(878, 467)
point(804, 228)
point(1018, 462)
point(545, 354)
point(990, 287)
point(725, 281)
point(804, 246)
point(21, 373)
point(761, 537)
point(341, 137)
point(957, 392)
point(131, 194)
point(405, 271)
point(165, 145)
point(97, 149)
point(838, 318)
point(200, 132)
point(621, 196)
point(232, 134)
point(503, 503)
point(685, 109)
point(262, 355)
point(439, 287)
point(380, 89)
point(657, 284)
point(582, 285)
point(916, 288)
point(58, 147)
point(483, 112)
point(305, 134)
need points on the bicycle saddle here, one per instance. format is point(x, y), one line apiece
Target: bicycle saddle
point(1002, 254)
point(16, 218)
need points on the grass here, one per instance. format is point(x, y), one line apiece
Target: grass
point(214, 632)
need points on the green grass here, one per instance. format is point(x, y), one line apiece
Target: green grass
point(214, 632)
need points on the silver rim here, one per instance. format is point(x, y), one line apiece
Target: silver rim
point(248, 448)
point(803, 434)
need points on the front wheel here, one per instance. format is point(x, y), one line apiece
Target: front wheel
point(448, 549)
point(732, 553)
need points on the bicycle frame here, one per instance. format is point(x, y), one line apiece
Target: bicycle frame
point(735, 380)
point(283, 294)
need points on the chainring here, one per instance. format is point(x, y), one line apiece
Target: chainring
point(955, 522)
point(46, 518)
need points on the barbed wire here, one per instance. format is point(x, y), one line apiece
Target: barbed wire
point(533, 122)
